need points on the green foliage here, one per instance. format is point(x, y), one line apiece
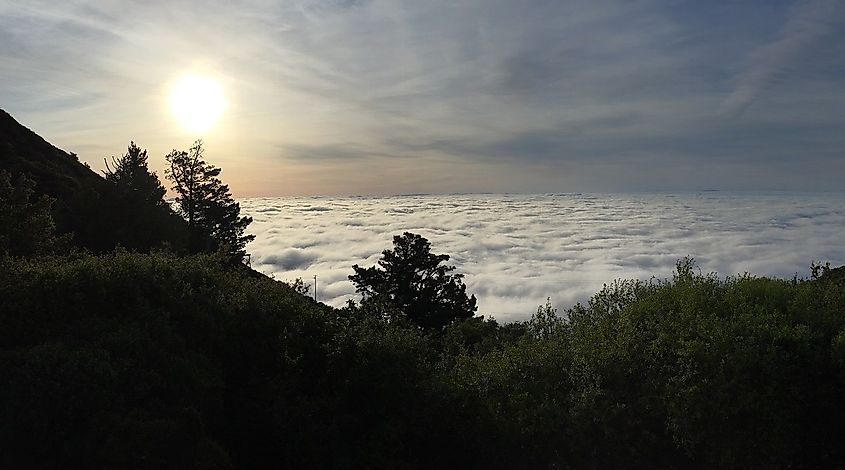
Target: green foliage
point(546, 323)
point(135, 359)
point(26, 223)
point(156, 360)
point(725, 373)
point(213, 217)
point(520, 390)
point(476, 335)
point(694, 372)
point(410, 282)
point(165, 361)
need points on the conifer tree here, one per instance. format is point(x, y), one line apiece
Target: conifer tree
point(413, 283)
point(132, 173)
point(144, 219)
point(213, 217)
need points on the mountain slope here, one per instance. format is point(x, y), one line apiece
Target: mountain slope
point(99, 217)
point(58, 173)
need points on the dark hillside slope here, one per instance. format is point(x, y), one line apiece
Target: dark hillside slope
point(57, 172)
point(158, 361)
point(86, 205)
point(147, 361)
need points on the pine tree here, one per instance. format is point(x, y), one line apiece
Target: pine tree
point(143, 218)
point(132, 173)
point(213, 217)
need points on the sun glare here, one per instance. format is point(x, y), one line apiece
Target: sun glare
point(197, 102)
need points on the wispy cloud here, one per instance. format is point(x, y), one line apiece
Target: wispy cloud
point(491, 95)
point(808, 21)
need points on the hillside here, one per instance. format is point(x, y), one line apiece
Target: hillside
point(159, 361)
point(86, 205)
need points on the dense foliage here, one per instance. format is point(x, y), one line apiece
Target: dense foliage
point(26, 224)
point(412, 283)
point(163, 361)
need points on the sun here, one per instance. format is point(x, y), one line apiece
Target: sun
point(197, 102)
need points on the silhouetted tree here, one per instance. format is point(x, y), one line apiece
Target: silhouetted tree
point(213, 217)
point(144, 219)
point(412, 282)
point(26, 224)
point(132, 173)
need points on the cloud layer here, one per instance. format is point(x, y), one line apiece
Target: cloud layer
point(517, 250)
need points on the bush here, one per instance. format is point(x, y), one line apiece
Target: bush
point(157, 360)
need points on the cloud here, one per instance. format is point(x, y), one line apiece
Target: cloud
point(287, 260)
point(517, 250)
point(808, 22)
point(400, 96)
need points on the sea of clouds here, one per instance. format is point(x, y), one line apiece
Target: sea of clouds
point(518, 250)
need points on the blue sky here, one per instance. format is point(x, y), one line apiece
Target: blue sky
point(392, 97)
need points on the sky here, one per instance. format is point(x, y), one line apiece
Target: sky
point(341, 97)
point(518, 250)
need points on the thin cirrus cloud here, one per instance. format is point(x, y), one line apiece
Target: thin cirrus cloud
point(807, 23)
point(399, 96)
point(518, 250)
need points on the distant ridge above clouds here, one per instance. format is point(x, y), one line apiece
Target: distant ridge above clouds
point(517, 250)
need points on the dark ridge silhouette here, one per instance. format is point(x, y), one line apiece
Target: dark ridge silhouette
point(59, 174)
point(97, 213)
